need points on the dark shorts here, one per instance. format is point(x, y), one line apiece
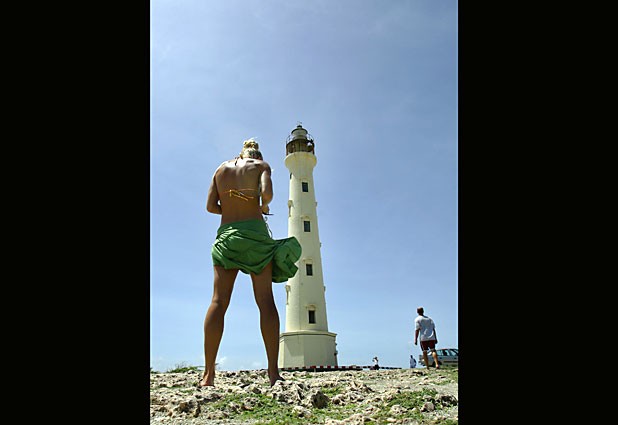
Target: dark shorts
point(428, 345)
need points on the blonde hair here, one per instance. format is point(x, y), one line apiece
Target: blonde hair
point(250, 149)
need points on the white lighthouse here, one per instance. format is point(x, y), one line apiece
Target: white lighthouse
point(306, 341)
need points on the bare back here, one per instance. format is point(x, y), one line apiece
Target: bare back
point(236, 189)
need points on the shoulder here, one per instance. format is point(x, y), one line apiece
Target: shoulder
point(253, 164)
point(222, 170)
point(263, 165)
point(223, 165)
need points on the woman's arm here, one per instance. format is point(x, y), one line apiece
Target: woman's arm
point(267, 187)
point(212, 202)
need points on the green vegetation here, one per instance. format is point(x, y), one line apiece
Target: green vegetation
point(264, 410)
point(330, 392)
point(261, 407)
point(451, 373)
point(412, 399)
point(182, 367)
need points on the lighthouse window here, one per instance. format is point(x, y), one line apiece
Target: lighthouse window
point(309, 269)
point(307, 225)
point(305, 186)
point(311, 316)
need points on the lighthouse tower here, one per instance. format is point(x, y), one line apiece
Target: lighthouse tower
point(306, 341)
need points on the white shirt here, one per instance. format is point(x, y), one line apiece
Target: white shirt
point(426, 327)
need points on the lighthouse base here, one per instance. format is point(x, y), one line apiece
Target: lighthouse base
point(307, 349)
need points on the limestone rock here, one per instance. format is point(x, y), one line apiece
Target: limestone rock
point(287, 392)
point(238, 397)
point(446, 400)
point(302, 412)
point(315, 398)
point(428, 406)
point(397, 409)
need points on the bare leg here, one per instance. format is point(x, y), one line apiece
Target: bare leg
point(435, 359)
point(269, 319)
point(213, 323)
point(426, 359)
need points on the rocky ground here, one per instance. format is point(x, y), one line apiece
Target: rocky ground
point(399, 396)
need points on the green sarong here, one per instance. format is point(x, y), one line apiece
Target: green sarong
point(247, 246)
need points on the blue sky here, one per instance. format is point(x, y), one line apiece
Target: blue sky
point(375, 84)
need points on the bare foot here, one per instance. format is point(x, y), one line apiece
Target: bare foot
point(207, 381)
point(277, 378)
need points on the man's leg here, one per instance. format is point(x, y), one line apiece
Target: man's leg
point(431, 344)
point(435, 357)
point(426, 358)
point(269, 319)
point(213, 323)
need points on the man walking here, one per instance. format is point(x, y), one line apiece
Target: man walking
point(425, 327)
